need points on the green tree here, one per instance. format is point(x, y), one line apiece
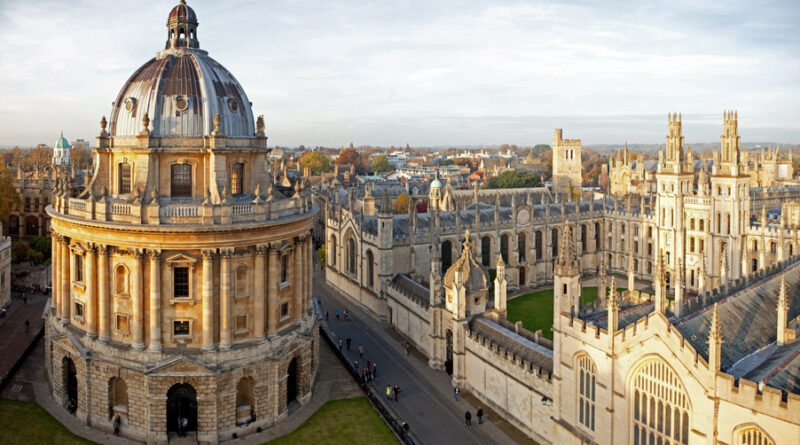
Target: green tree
point(380, 164)
point(400, 204)
point(445, 162)
point(9, 198)
point(514, 179)
point(321, 255)
point(318, 162)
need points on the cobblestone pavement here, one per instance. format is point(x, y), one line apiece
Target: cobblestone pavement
point(426, 397)
point(14, 339)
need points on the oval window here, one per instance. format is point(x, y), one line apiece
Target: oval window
point(181, 103)
point(233, 104)
point(130, 104)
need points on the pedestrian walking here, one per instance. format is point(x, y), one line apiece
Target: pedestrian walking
point(396, 392)
point(374, 370)
point(389, 392)
point(346, 315)
point(25, 298)
point(341, 342)
point(326, 315)
point(319, 302)
point(117, 422)
point(337, 314)
point(468, 419)
point(348, 343)
point(480, 415)
point(369, 365)
point(361, 351)
point(355, 365)
point(455, 393)
point(27, 325)
point(408, 347)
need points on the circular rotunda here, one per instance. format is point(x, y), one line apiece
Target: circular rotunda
point(182, 274)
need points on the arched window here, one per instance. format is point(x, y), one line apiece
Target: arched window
point(181, 180)
point(751, 435)
point(446, 254)
point(241, 281)
point(728, 218)
point(117, 398)
point(124, 178)
point(370, 269)
point(755, 245)
point(121, 279)
point(773, 248)
point(244, 400)
point(332, 253)
point(486, 251)
point(584, 236)
point(587, 375)
point(538, 243)
point(522, 246)
point(237, 179)
point(660, 405)
point(597, 236)
point(554, 240)
point(504, 247)
point(702, 224)
point(351, 256)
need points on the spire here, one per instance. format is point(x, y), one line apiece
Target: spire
point(567, 262)
point(613, 310)
point(783, 312)
point(660, 285)
point(715, 341)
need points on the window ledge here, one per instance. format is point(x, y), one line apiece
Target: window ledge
point(183, 338)
point(125, 296)
point(236, 297)
point(79, 285)
point(241, 332)
point(182, 301)
point(283, 285)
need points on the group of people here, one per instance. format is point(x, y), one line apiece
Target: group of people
point(468, 414)
point(393, 392)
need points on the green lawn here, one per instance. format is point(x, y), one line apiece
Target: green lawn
point(28, 423)
point(535, 310)
point(346, 421)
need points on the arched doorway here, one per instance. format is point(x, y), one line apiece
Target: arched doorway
point(181, 403)
point(291, 382)
point(521, 276)
point(486, 250)
point(70, 382)
point(448, 352)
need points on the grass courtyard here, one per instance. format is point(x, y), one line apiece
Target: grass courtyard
point(535, 310)
point(346, 421)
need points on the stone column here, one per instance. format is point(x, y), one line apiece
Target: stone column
point(55, 290)
point(137, 299)
point(65, 279)
point(225, 299)
point(103, 302)
point(155, 300)
point(273, 311)
point(297, 278)
point(208, 299)
point(258, 289)
point(309, 269)
point(91, 294)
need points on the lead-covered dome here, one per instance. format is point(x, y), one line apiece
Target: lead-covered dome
point(181, 90)
point(471, 274)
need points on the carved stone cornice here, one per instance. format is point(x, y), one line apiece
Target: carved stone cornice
point(208, 254)
point(226, 253)
point(262, 249)
point(103, 249)
point(154, 254)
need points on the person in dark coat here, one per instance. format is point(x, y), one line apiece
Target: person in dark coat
point(468, 419)
point(480, 415)
point(396, 392)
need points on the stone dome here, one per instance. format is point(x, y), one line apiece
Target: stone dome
point(181, 91)
point(473, 275)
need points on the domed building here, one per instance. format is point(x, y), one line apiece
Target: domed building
point(61, 151)
point(182, 274)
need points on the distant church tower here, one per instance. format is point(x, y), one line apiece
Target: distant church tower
point(61, 151)
point(566, 164)
point(435, 194)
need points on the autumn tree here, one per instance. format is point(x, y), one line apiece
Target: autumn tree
point(351, 157)
point(380, 164)
point(81, 157)
point(9, 198)
point(318, 162)
point(400, 204)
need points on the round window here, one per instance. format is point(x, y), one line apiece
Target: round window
point(130, 104)
point(181, 102)
point(233, 104)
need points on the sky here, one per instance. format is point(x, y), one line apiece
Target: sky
point(424, 73)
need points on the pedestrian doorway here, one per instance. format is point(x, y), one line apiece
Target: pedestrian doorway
point(448, 353)
point(522, 276)
point(70, 382)
point(291, 382)
point(181, 404)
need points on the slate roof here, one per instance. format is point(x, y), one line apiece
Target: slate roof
point(408, 286)
point(511, 341)
point(628, 314)
point(748, 320)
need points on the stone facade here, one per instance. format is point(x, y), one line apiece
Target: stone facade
point(5, 269)
point(182, 275)
point(567, 168)
point(708, 354)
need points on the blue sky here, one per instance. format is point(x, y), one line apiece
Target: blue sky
point(425, 72)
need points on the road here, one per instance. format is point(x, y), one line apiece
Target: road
point(426, 400)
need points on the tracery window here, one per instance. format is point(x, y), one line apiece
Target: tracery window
point(660, 406)
point(587, 372)
point(752, 435)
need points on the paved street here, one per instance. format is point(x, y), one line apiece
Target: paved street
point(426, 397)
point(14, 339)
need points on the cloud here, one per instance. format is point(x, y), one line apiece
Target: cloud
point(426, 72)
